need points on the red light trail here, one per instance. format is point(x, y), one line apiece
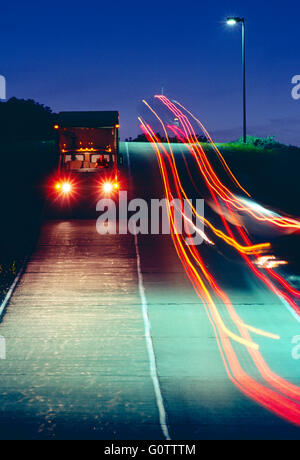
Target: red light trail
point(274, 392)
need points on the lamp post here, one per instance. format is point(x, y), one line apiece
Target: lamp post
point(233, 22)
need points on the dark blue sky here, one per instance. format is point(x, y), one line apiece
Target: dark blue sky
point(94, 55)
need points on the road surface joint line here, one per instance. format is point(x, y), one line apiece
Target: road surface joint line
point(149, 340)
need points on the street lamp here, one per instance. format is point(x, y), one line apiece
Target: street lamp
point(232, 22)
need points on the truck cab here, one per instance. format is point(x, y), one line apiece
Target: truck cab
point(89, 158)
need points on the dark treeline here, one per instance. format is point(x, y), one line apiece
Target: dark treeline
point(173, 140)
point(28, 155)
point(25, 120)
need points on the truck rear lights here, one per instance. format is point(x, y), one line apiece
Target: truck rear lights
point(64, 187)
point(108, 187)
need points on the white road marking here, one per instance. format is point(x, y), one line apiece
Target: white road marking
point(149, 341)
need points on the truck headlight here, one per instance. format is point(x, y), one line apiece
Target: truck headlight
point(108, 187)
point(66, 187)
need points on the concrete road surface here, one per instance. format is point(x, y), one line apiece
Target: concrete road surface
point(78, 363)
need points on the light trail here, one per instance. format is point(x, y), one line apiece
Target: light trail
point(219, 154)
point(189, 137)
point(250, 248)
point(276, 394)
point(260, 332)
point(231, 241)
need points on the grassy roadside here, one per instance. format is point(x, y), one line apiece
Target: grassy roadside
point(270, 173)
point(271, 176)
point(7, 275)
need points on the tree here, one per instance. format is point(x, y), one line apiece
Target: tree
point(23, 120)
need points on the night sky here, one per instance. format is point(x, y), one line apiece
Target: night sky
point(109, 55)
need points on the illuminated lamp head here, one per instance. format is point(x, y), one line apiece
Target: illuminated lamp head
point(234, 21)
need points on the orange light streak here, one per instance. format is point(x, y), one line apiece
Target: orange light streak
point(276, 400)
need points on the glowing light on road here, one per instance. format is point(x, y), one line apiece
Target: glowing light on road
point(257, 207)
point(260, 332)
point(269, 262)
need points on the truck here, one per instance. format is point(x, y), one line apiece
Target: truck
point(89, 157)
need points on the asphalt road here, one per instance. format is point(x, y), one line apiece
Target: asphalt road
point(78, 364)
